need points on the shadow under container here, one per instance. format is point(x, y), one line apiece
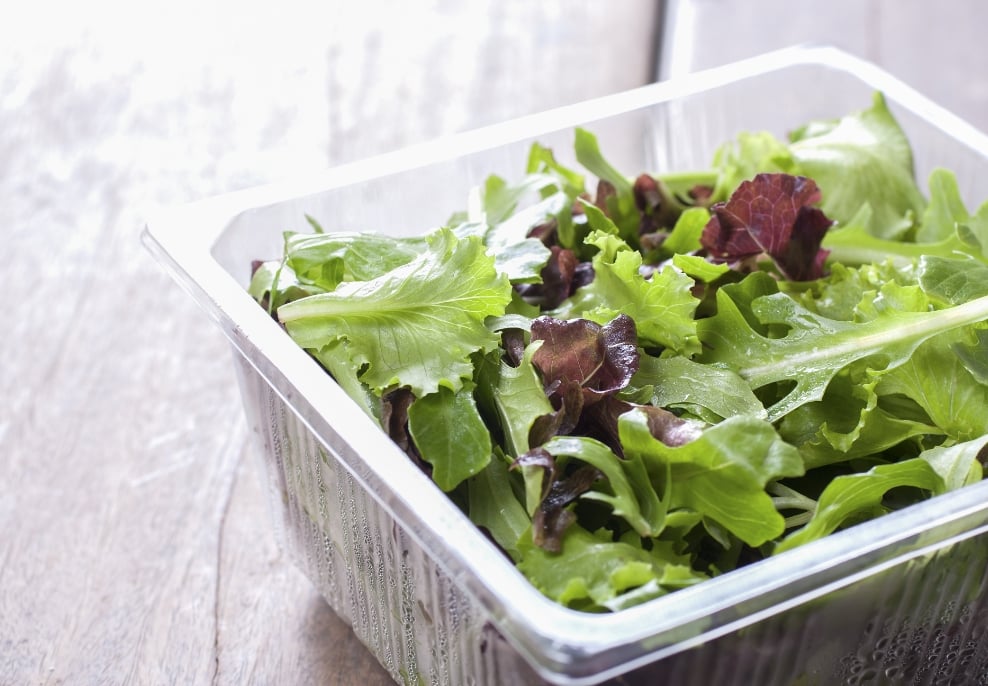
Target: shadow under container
point(901, 599)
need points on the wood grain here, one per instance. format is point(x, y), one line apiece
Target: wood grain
point(936, 49)
point(136, 543)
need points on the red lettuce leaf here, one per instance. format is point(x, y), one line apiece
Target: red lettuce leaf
point(568, 401)
point(558, 280)
point(552, 517)
point(772, 215)
point(394, 419)
point(601, 422)
point(601, 359)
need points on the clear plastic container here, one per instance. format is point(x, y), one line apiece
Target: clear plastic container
point(901, 599)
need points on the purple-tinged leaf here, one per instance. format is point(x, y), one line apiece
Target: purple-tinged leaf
point(547, 232)
point(771, 215)
point(647, 194)
point(557, 278)
point(606, 196)
point(569, 401)
point(552, 517)
point(601, 359)
point(601, 422)
point(394, 420)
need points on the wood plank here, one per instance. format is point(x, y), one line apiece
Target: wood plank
point(940, 51)
point(272, 620)
point(482, 63)
point(136, 547)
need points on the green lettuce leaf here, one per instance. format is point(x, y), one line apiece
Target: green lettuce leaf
point(495, 218)
point(937, 380)
point(570, 184)
point(848, 423)
point(946, 217)
point(749, 154)
point(274, 283)
point(589, 155)
point(335, 358)
point(326, 259)
point(541, 160)
point(722, 474)
point(590, 570)
point(812, 348)
point(855, 497)
point(853, 245)
point(416, 325)
point(946, 230)
point(631, 494)
point(974, 355)
point(711, 393)
point(960, 464)
point(849, 293)
point(621, 206)
point(662, 306)
point(945, 210)
point(519, 399)
point(492, 504)
point(450, 435)
point(685, 235)
point(672, 571)
point(862, 158)
point(954, 281)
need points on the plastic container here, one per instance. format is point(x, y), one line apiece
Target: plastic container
point(901, 599)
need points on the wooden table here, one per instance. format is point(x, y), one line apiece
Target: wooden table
point(136, 545)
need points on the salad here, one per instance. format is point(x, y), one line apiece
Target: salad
point(633, 384)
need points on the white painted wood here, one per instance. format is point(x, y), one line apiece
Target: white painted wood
point(135, 544)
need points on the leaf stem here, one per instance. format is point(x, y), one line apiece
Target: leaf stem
point(789, 499)
point(917, 327)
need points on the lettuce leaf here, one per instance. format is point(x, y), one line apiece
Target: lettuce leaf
point(629, 491)
point(492, 505)
point(936, 379)
point(946, 230)
point(326, 259)
point(750, 153)
point(593, 569)
point(812, 348)
point(711, 393)
point(450, 435)
point(849, 423)
point(416, 325)
point(517, 398)
point(599, 360)
point(772, 215)
point(862, 158)
point(722, 474)
point(856, 497)
point(662, 306)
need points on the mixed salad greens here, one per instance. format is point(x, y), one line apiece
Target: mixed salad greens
point(633, 390)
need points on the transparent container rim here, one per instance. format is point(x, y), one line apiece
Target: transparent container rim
point(563, 645)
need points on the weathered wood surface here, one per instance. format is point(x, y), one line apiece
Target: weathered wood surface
point(135, 544)
point(936, 48)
